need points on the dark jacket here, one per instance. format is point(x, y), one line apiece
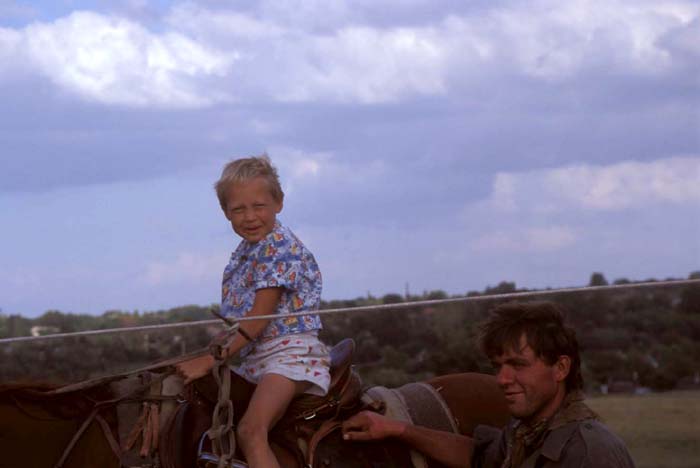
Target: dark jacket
point(579, 444)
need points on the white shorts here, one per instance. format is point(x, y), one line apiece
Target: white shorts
point(300, 357)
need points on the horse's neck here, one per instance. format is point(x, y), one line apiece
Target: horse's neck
point(36, 399)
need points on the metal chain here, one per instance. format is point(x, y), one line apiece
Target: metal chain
point(221, 434)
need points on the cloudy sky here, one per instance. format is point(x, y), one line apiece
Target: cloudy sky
point(436, 144)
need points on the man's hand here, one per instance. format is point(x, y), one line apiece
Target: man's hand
point(368, 425)
point(195, 368)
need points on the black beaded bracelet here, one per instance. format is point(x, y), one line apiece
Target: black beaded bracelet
point(244, 334)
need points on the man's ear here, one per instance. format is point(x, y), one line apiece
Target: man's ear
point(562, 368)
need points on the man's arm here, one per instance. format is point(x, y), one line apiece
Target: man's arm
point(452, 450)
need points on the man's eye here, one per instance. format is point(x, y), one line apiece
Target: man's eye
point(259, 205)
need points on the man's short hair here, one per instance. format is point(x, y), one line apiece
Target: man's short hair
point(542, 323)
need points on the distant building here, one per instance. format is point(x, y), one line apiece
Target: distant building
point(41, 330)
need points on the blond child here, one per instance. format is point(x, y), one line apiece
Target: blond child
point(270, 272)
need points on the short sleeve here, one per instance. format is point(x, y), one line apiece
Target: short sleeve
point(278, 264)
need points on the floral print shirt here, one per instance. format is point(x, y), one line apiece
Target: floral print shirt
point(278, 260)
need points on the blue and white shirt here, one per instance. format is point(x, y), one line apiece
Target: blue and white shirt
point(278, 260)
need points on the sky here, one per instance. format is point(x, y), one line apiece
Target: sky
point(421, 144)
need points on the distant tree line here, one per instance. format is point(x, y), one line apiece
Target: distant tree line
point(650, 336)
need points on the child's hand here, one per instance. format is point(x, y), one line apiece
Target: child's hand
point(221, 343)
point(195, 368)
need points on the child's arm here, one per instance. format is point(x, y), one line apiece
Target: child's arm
point(265, 303)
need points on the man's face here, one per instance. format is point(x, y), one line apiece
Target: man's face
point(533, 389)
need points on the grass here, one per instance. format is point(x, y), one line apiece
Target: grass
point(661, 430)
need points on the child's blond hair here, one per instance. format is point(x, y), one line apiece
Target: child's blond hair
point(245, 169)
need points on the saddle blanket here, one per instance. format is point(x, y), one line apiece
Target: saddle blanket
point(417, 403)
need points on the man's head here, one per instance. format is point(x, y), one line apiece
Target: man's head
point(536, 356)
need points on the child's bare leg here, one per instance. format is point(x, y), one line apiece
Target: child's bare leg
point(267, 405)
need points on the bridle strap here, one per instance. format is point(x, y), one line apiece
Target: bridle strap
point(76, 437)
point(94, 415)
point(110, 438)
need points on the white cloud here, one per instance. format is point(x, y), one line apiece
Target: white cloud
point(618, 186)
point(300, 167)
point(297, 165)
point(116, 61)
point(539, 239)
point(9, 42)
point(553, 40)
point(348, 63)
point(184, 268)
point(356, 62)
point(229, 24)
point(282, 56)
point(370, 66)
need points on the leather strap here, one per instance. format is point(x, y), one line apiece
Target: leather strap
point(110, 438)
point(323, 430)
point(83, 427)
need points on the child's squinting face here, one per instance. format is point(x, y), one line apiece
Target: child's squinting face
point(251, 209)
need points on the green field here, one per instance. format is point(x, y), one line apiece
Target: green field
point(661, 430)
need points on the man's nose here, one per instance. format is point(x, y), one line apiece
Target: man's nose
point(248, 215)
point(504, 376)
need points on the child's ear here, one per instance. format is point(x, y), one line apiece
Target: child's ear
point(280, 205)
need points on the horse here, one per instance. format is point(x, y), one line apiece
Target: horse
point(84, 425)
point(37, 427)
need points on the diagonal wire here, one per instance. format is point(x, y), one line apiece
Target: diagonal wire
point(372, 308)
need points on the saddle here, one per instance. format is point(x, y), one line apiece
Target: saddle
point(183, 440)
point(344, 390)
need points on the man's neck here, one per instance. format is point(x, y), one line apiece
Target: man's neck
point(549, 410)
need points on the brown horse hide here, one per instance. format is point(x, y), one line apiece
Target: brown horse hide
point(334, 452)
point(37, 425)
point(35, 429)
point(180, 439)
point(472, 398)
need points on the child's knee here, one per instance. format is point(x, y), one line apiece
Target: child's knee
point(250, 432)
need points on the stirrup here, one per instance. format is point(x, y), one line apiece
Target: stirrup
point(207, 459)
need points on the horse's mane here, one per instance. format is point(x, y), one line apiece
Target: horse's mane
point(44, 388)
point(39, 393)
point(27, 387)
point(21, 386)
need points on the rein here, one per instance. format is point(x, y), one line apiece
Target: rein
point(221, 433)
point(99, 406)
